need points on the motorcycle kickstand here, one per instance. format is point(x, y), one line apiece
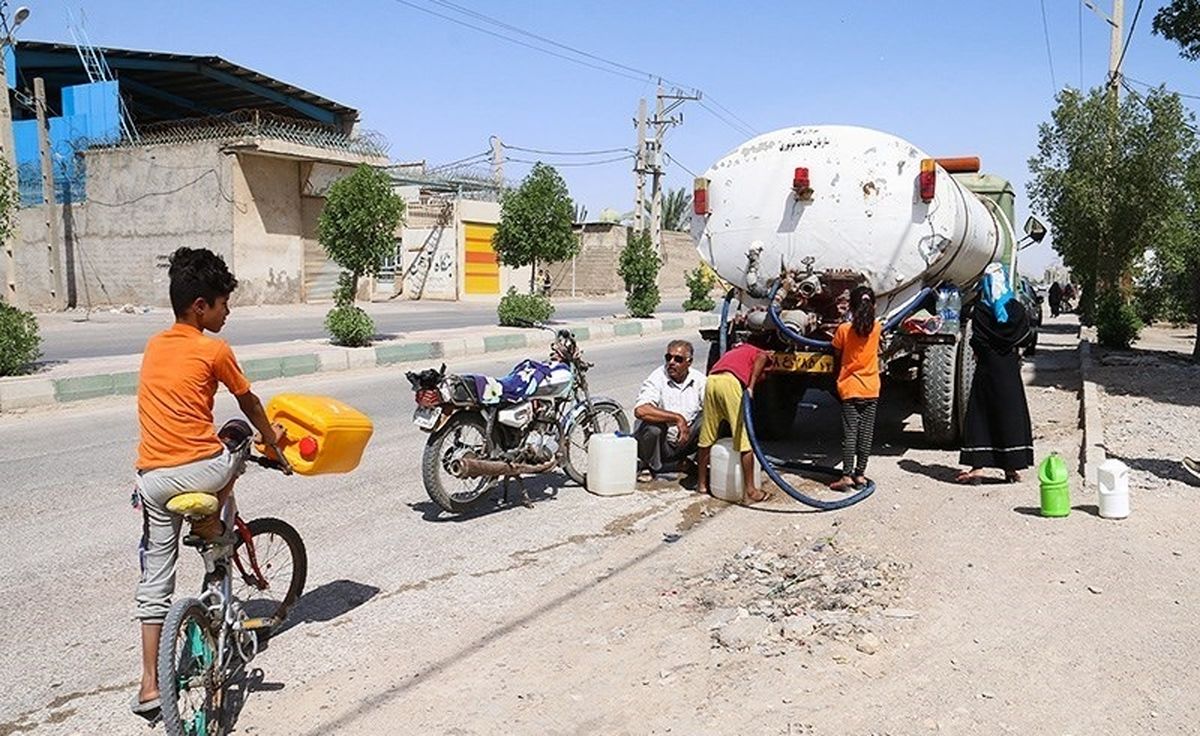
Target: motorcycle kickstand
point(525, 500)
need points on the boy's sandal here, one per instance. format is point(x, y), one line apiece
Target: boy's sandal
point(764, 496)
point(151, 710)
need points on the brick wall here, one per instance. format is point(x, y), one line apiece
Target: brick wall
point(595, 269)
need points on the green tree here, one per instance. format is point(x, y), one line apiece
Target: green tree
point(1109, 181)
point(676, 209)
point(536, 222)
point(357, 228)
point(20, 342)
point(638, 268)
point(1179, 21)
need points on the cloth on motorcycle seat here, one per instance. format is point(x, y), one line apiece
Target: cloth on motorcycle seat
point(522, 382)
point(193, 504)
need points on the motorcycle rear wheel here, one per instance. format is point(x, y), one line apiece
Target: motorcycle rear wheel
point(464, 432)
point(611, 418)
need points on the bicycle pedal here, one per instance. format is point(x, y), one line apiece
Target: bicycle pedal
point(253, 624)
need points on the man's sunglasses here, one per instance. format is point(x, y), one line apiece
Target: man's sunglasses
point(676, 358)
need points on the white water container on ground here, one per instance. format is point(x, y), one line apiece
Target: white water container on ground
point(612, 465)
point(1113, 479)
point(726, 472)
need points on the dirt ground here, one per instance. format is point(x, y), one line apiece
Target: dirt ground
point(928, 608)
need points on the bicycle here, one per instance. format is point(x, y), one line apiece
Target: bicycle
point(206, 640)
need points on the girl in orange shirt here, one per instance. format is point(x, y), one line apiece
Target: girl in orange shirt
point(856, 344)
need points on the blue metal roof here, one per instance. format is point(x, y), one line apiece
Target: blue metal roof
point(159, 87)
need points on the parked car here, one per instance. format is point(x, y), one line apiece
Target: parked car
point(1032, 299)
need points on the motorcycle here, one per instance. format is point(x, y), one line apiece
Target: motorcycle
point(478, 438)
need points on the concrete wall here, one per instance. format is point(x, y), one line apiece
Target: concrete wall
point(594, 271)
point(268, 253)
point(679, 256)
point(142, 204)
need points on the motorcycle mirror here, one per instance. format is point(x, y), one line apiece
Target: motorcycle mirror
point(1034, 229)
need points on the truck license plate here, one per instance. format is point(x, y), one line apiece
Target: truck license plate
point(803, 362)
point(426, 416)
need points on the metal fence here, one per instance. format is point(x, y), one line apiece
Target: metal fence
point(255, 124)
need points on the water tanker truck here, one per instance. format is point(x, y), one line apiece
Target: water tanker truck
point(795, 218)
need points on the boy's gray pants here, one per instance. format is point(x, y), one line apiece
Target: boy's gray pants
point(159, 550)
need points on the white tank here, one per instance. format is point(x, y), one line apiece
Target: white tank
point(864, 215)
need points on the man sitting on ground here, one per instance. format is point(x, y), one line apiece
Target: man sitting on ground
point(668, 412)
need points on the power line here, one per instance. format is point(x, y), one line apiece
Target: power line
point(675, 161)
point(460, 161)
point(1049, 56)
point(1156, 86)
point(1129, 36)
point(507, 26)
point(626, 157)
point(517, 41)
point(600, 152)
point(614, 67)
point(1142, 100)
point(740, 129)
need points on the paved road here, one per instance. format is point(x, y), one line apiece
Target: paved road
point(72, 336)
point(374, 540)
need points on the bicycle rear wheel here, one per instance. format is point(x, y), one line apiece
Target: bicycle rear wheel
point(188, 678)
point(269, 571)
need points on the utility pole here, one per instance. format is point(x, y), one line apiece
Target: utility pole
point(10, 155)
point(661, 122)
point(1114, 51)
point(52, 244)
point(639, 167)
point(497, 162)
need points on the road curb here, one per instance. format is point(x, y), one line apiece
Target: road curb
point(25, 392)
point(1093, 424)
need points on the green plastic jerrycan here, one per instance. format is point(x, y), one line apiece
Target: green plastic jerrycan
point(1053, 477)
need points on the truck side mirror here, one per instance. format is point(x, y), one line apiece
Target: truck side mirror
point(1034, 229)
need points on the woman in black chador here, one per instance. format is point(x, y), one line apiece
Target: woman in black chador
point(997, 433)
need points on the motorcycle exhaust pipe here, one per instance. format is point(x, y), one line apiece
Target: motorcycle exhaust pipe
point(471, 467)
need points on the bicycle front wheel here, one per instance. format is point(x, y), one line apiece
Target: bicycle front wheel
point(269, 571)
point(188, 671)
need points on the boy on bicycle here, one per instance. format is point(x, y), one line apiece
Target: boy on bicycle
point(179, 450)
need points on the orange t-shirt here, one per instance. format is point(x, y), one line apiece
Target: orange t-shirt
point(859, 374)
point(180, 370)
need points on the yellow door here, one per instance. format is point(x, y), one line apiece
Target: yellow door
point(482, 270)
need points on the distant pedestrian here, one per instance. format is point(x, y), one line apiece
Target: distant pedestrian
point(997, 432)
point(1056, 298)
point(857, 346)
point(1068, 297)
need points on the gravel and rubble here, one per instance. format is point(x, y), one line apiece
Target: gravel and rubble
point(1150, 406)
point(783, 593)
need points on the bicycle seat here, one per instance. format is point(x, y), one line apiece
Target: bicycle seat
point(193, 504)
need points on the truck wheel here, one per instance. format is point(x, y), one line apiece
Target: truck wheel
point(938, 384)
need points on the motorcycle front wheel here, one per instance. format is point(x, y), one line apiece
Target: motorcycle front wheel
point(610, 417)
point(462, 434)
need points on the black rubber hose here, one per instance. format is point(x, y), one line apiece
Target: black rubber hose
point(769, 464)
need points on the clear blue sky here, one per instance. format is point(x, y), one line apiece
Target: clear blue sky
point(951, 76)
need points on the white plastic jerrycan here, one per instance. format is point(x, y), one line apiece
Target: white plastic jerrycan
point(726, 468)
point(1112, 476)
point(612, 464)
